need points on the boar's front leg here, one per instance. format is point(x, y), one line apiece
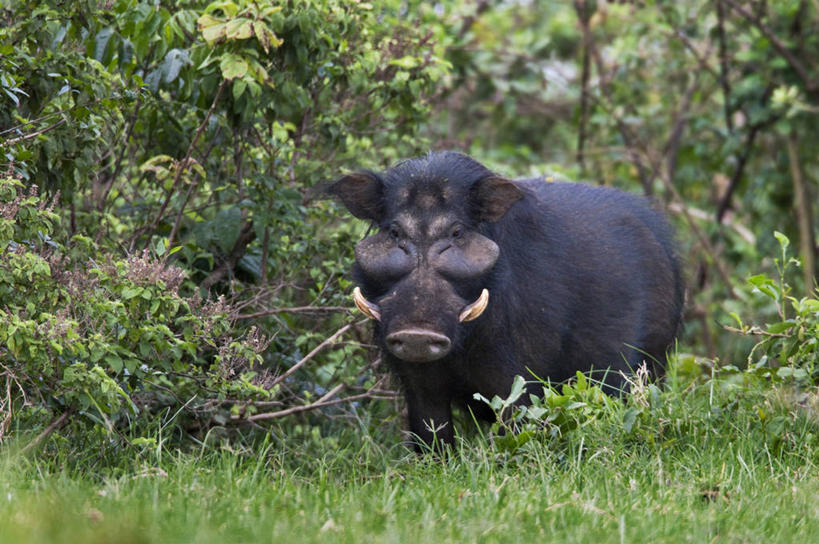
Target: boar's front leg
point(430, 415)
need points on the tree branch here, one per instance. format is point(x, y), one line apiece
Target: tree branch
point(246, 235)
point(294, 310)
point(33, 134)
point(725, 202)
point(581, 9)
point(183, 164)
point(802, 203)
point(778, 44)
point(53, 426)
point(723, 66)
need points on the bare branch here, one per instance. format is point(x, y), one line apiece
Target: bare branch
point(582, 13)
point(329, 341)
point(802, 203)
point(246, 235)
point(53, 426)
point(723, 63)
point(33, 134)
point(312, 406)
point(294, 310)
point(725, 202)
point(183, 164)
point(778, 44)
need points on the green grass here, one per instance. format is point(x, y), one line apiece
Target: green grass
point(706, 464)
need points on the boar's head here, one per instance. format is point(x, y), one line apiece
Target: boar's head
point(427, 268)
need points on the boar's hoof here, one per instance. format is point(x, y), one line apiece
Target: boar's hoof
point(418, 345)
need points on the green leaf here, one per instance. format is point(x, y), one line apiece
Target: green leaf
point(239, 87)
point(115, 362)
point(232, 66)
point(779, 328)
point(239, 29)
point(101, 44)
point(131, 292)
point(784, 241)
point(629, 418)
point(174, 61)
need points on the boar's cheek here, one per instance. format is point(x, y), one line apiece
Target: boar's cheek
point(472, 256)
point(381, 259)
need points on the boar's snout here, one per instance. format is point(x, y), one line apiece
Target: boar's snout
point(418, 345)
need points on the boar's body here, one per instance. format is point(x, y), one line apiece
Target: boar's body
point(579, 278)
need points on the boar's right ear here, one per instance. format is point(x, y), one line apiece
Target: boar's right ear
point(362, 193)
point(493, 196)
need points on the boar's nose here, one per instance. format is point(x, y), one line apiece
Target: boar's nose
point(418, 345)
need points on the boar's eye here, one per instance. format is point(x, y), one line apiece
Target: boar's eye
point(456, 232)
point(394, 232)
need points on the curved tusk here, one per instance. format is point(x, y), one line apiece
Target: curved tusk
point(476, 308)
point(367, 308)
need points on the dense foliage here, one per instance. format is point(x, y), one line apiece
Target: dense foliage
point(167, 270)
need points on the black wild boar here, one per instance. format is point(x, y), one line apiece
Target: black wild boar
point(473, 278)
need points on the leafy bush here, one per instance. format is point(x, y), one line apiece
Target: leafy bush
point(180, 142)
point(111, 340)
point(788, 348)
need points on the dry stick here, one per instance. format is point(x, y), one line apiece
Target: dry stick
point(802, 201)
point(118, 164)
point(732, 223)
point(246, 235)
point(317, 349)
point(725, 202)
point(628, 138)
point(657, 168)
point(680, 121)
point(703, 239)
point(294, 310)
point(265, 252)
point(701, 60)
point(669, 185)
point(580, 8)
point(723, 66)
point(6, 423)
point(795, 63)
point(33, 134)
point(57, 423)
point(178, 220)
point(183, 164)
point(313, 406)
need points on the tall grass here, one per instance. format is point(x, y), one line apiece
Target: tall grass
point(719, 461)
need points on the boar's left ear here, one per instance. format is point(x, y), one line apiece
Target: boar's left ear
point(493, 196)
point(362, 193)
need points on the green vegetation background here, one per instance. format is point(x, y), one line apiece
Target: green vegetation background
point(177, 355)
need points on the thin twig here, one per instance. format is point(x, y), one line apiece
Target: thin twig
point(778, 44)
point(581, 9)
point(802, 204)
point(8, 406)
point(294, 310)
point(183, 164)
point(33, 134)
point(315, 350)
point(123, 149)
point(56, 424)
point(725, 201)
point(312, 406)
point(755, 331)
point(723, 66)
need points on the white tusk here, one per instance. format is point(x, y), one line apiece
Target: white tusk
point(476, 308)
point(367, 308)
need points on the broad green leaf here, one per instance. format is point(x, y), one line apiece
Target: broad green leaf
point(232, 66)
